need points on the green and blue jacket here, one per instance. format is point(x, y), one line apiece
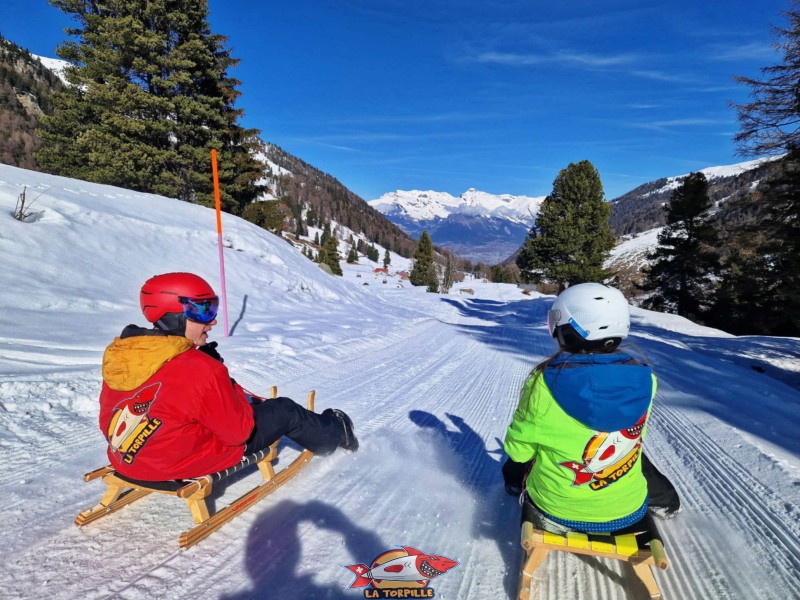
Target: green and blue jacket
point(581, 419)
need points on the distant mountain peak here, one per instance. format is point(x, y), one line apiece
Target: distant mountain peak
point(477, 225)
point(418, 205)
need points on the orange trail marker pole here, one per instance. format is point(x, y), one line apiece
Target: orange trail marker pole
point(217, 203)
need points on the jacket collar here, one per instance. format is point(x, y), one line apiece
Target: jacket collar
point(131, 360)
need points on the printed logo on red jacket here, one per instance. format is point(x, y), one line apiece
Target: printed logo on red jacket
point(402, 573)
point(608, 457)
point(130, 426)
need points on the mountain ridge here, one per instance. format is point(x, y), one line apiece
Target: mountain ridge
point(477, 225)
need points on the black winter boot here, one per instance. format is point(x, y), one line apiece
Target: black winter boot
point(349, 441)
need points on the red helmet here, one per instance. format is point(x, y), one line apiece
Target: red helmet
point(159, 294)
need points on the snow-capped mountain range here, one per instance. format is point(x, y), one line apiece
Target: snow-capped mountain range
point(427, 206)
point(476, 225)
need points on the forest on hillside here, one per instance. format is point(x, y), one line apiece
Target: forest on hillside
point(26, 88)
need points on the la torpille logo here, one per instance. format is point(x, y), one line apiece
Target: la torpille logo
point(608, 457)
point(130, 426)
point(402, 573)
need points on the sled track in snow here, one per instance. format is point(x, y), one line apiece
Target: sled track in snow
point(743, 506)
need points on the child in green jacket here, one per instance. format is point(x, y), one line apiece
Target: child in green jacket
point(575, 442)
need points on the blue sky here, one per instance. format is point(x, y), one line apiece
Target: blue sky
point(499, 96)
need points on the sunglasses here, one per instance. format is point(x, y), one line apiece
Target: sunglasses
point(203, 311)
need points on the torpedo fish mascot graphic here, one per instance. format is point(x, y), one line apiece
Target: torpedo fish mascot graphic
point(130, 426)
point(608, 456)
point(407, 568)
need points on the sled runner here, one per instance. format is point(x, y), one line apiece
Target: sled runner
point(639, 544)
point(121, 491)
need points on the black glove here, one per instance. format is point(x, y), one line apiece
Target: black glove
point(211, 350)
point(514, 476)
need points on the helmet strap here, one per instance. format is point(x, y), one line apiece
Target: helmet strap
point(571, 341)
point(172, 323)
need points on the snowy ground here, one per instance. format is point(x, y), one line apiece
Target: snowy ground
point(431, 382)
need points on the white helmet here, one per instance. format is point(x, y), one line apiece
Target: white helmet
point(593, 310)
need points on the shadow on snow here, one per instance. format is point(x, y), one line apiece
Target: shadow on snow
point(497, 515)
point(273, 559)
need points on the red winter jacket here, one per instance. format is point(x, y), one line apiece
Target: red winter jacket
point(169, 411)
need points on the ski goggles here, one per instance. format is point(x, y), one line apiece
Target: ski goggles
point(203, 311)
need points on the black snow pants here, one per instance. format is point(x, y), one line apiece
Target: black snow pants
point(276, 417)
point(659, 489)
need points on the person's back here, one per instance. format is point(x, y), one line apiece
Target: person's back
point(586, 414)
point(170, 410)
point(161, 394)
point(578, 428)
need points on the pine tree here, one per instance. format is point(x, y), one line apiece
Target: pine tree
point(424, 270)
point(352, 256)
point(331, 250)
point(683, 264)
point(267, 214)
point(760, 287)
point(387, 260)
point(742, 301)
point(571, 237)
point(326, 233)
point(150, 97)
point(311, 217)
point(372, 253)
point(448, 273)
point(781, 249)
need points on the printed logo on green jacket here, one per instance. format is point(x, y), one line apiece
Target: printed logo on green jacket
point(607, 457)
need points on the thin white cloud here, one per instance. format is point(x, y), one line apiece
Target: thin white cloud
point(563, 57)
point(658, 75)
point(667, 125)
point(757, 51)
point(430, 118)
point(338, 140)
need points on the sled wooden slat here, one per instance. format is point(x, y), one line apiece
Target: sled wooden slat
point(626, 544)
point(191, 536)
point(101, 510)
point(120, 491)
point(577, 539)
point(92, 475)
point(538, 544)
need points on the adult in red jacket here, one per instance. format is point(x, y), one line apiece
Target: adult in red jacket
point(168, 407)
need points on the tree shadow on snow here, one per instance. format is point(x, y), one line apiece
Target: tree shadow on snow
point(274, 559)
point(726, 378)
point(497, 515)
point(517, 327)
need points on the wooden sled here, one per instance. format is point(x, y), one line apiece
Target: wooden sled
point(641, 546)
point(121, 491)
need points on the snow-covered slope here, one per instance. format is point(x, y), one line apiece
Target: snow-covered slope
point(56, 65)
point(713, 174)
point(431, 382)
point(476, 225)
